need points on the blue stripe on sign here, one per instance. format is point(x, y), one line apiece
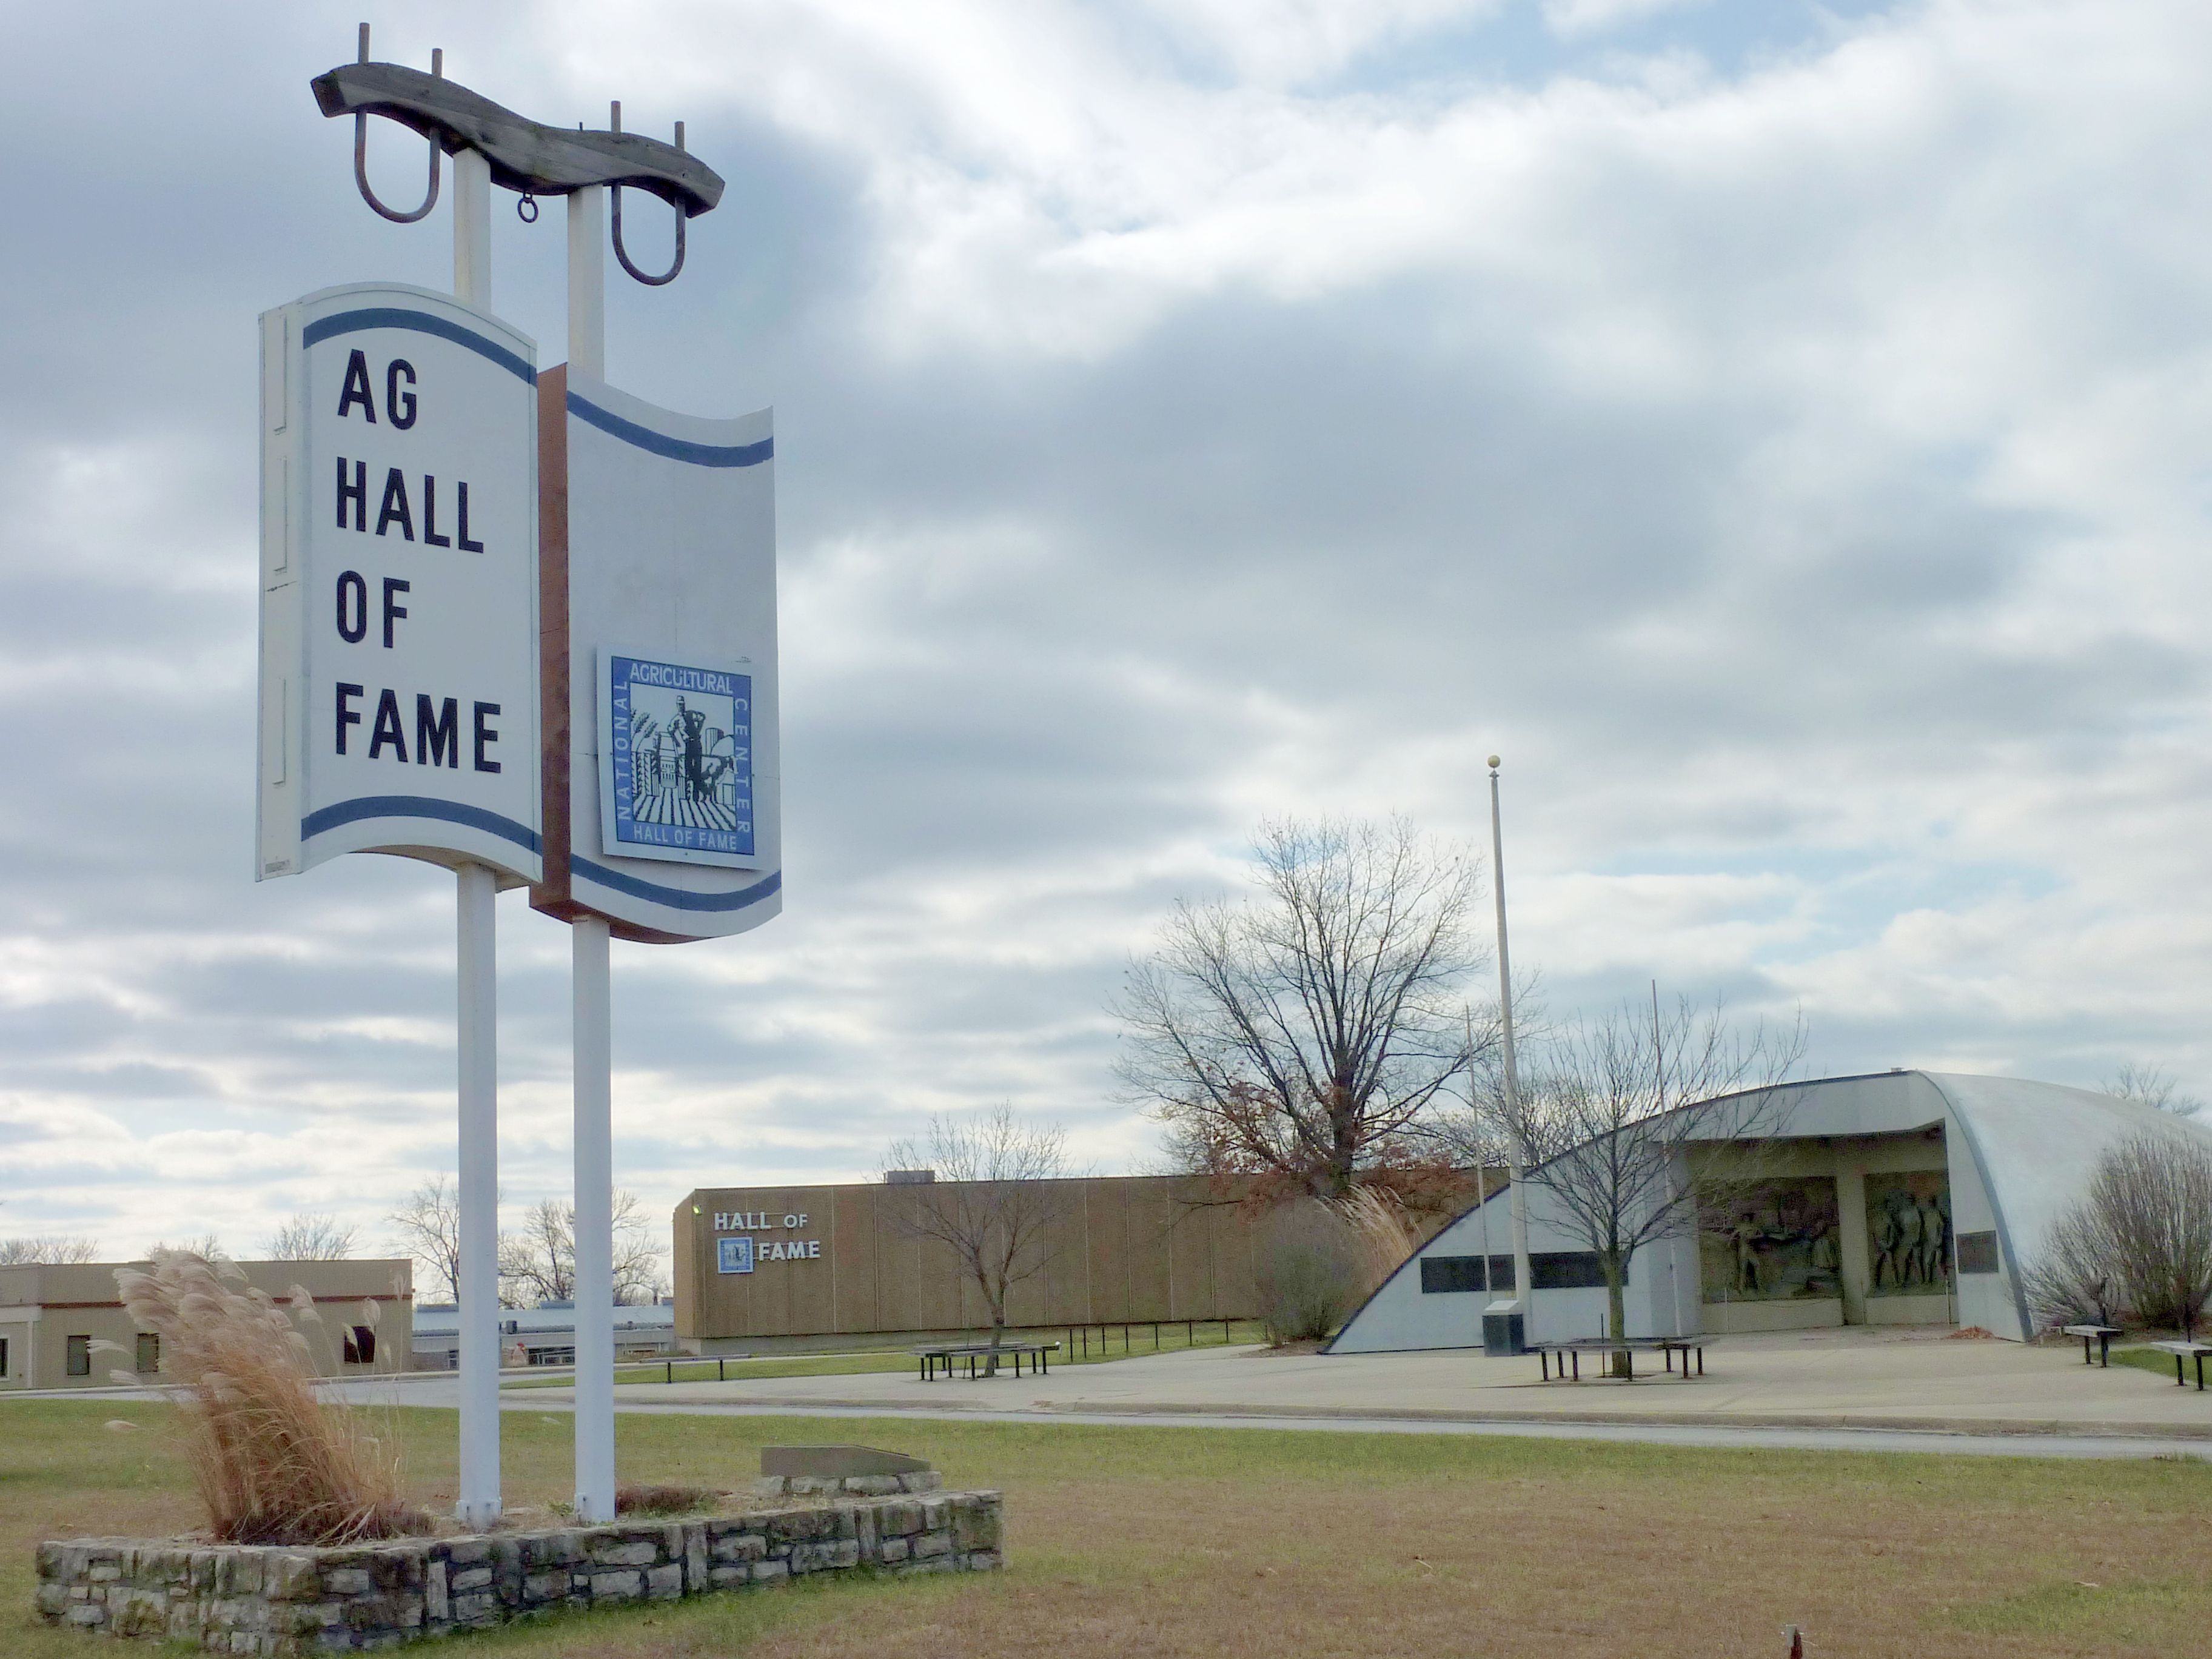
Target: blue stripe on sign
point(676, 898)
point(676, 449)
point(325, 818)
point(422, 322)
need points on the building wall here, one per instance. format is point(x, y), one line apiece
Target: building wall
point(1846, 1129)
point(1130, 1248)
point(41, 1307)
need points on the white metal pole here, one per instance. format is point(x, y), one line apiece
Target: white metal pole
point(592, 990)
point(595, 1275)
point(479, 1505)
point(588, 280)
point(1517, 1148)
point(472, 229)
point(477, 1015)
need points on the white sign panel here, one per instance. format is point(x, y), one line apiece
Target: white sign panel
point(663, 558)
point(398, 584)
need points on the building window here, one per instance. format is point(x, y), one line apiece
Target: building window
point(360, 1346)
point(1451, 1275)
point(3, 1355)
point(1977, 1253)
point(1568, 1270)
point(149, 1354)
point(79, 1351)
point(1446, 1274)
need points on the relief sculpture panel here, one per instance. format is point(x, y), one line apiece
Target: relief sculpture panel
point(1909, 1234)
point(1775, 1241)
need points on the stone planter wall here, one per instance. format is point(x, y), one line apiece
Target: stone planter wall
point(276, 1600)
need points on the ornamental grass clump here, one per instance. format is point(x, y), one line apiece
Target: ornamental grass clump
point(274, 1464)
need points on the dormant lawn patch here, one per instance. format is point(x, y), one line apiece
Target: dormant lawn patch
point(1282, 1544)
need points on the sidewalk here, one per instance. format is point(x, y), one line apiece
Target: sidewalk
point(1851, 1378)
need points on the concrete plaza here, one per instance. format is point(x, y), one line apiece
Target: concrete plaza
point(1848, 1378)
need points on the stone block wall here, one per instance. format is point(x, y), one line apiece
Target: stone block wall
point(277, 1599)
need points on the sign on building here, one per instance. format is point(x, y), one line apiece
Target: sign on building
point(663, 790)
point(398, 584)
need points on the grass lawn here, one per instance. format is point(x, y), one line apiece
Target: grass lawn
point(1234, 1542)
point(2159, 1364)
point(1091, 1349)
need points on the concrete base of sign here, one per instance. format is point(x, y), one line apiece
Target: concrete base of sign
point(285, 1600)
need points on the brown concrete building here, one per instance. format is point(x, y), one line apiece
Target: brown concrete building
point(761, 1267)
point(51, 1316)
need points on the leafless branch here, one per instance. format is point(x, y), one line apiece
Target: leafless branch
point(995, 1203)
point(309, 1237)
point(1632, 1120)
point(1309, 1032)
point(48, 1249)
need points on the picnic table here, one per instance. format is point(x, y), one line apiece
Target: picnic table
point(2102, 1335)
point(2182, 1351)
point(1570, 1353)
point(934, 1354)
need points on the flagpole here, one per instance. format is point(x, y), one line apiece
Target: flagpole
point(1517, 1151)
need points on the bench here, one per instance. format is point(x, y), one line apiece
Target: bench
point(943, 1353)
point(2102, 1335)
point(2182, 1351)
point(1570, 1354)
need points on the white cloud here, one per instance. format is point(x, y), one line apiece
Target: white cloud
point(1183, 415)
point(1577, 18)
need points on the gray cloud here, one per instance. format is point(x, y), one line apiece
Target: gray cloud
point(1776, 428)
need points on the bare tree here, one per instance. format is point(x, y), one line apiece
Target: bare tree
point(1612, 1109)
point(428, 1226)
point(994, 1202)
point(208, 1247)
point(2077, 1280)
point(539, 1260)
point(2153, 1086)
point(1304, 1034)
point(47, 1251)
point(310, 1236)
point(2139, 1242)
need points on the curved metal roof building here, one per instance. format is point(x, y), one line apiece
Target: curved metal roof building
point(1896, 1198)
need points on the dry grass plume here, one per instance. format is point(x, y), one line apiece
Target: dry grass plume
point(274, 1465)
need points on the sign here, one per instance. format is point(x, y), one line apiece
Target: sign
point(676, 762)
point(662, 769)
point(741, 1255)
point(399, 700)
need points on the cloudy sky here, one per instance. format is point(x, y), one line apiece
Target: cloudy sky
point(1777, 427)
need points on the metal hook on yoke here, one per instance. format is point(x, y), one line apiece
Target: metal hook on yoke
point(360, 149)
point(615, 191)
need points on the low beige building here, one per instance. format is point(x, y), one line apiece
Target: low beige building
point(761, 1267)
point(51, 1316)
